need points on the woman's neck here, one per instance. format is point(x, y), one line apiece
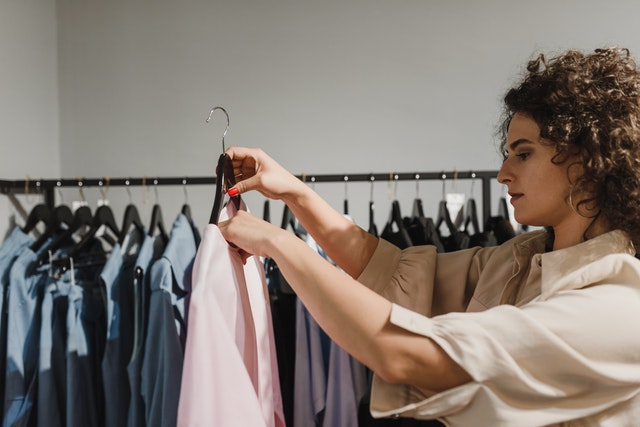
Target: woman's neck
point(577, 232)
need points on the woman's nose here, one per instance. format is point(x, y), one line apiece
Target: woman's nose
point(504, 174)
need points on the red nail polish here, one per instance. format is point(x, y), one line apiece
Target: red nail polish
point(233, 192)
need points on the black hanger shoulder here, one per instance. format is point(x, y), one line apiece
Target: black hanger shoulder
point(186, 211)
point(444, 217)
point(395, 230)
point(266, 211)
point(39, 214)
point(131, 218)
point(471, 217)
point(157, 222)
point(418, 210)
point(288, 219)
point(373, 229)
point(225, 179)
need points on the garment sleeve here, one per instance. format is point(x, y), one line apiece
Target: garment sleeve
point(422, 280)
point(574, 352)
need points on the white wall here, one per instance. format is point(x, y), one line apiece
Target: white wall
point(330, 86)
point(29, 119)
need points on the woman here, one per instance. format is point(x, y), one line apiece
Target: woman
point(537, 331)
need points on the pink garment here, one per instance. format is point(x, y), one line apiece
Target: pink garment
point(230, 374)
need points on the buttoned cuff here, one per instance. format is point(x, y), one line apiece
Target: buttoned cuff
point(395, 400)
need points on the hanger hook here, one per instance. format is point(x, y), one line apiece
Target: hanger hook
point(60, 194)
point(395, 185)
point(155, 189)
point(226, 129)
point(184, 188)
point(372, 180)
point(346, 189)
point(473, 181)
point(127, 182)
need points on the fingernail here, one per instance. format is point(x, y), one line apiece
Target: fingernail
point(233, 192)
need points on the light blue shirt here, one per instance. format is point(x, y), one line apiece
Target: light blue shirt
point(166, 333)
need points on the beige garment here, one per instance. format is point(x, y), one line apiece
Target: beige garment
point(548, 338)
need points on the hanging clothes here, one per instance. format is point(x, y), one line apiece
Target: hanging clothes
point(10, 249)
point(329, 383)
point(73, 332)
point(282, 300)
point(150, 251)
point(117, 281)
point(161, 371)
point(230, 373)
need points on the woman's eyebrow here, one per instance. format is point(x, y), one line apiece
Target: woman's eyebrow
point(517, 142)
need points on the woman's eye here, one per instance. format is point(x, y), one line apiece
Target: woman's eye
point(523, 156)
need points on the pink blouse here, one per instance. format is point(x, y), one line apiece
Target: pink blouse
point(230, 373)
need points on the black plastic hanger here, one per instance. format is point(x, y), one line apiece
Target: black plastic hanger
point(102, 217)
point(345, 203)
point(395, 231)
point(417, 211)
point(266, 211)
point(503, 210)
point(186, 211)
point(444, 216)
point(288, 219)
point(157, 222)
point(225, 177)
point(82, 217)
point(373, 229)
point(60, 215)
point(186, 208)
point(39, 214)
point(131, 218)
point(443, 212)
point(471, 217)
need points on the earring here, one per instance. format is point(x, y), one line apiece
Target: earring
point(571, 200)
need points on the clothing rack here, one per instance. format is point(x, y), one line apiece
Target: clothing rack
point(47, 187)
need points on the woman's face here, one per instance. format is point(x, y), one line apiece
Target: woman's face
point(539, 189)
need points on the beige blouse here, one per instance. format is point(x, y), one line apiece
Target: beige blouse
point(548, 338)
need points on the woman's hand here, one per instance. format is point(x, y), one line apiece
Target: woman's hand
point(250, 234)
point(255, 170)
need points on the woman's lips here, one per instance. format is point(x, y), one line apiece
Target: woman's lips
point(515, 197)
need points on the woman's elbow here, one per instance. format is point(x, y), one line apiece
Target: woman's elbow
point(426, 373)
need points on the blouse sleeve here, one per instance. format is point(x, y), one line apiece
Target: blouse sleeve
point(575, 352)
point(422, 280)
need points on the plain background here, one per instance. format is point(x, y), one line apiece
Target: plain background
point(123, 87)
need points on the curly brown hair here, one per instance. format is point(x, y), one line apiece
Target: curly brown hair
point(589, 104)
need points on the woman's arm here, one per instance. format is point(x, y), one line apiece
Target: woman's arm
point(355, 317)
point(343, 241)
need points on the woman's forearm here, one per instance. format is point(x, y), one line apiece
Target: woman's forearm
point(358, 320)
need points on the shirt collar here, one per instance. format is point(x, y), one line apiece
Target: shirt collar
point(566, 268)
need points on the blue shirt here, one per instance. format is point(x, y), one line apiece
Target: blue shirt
point(166, 334)
point(25, 292)
point(117, 280)
point(151, 249)
point(15, 242)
